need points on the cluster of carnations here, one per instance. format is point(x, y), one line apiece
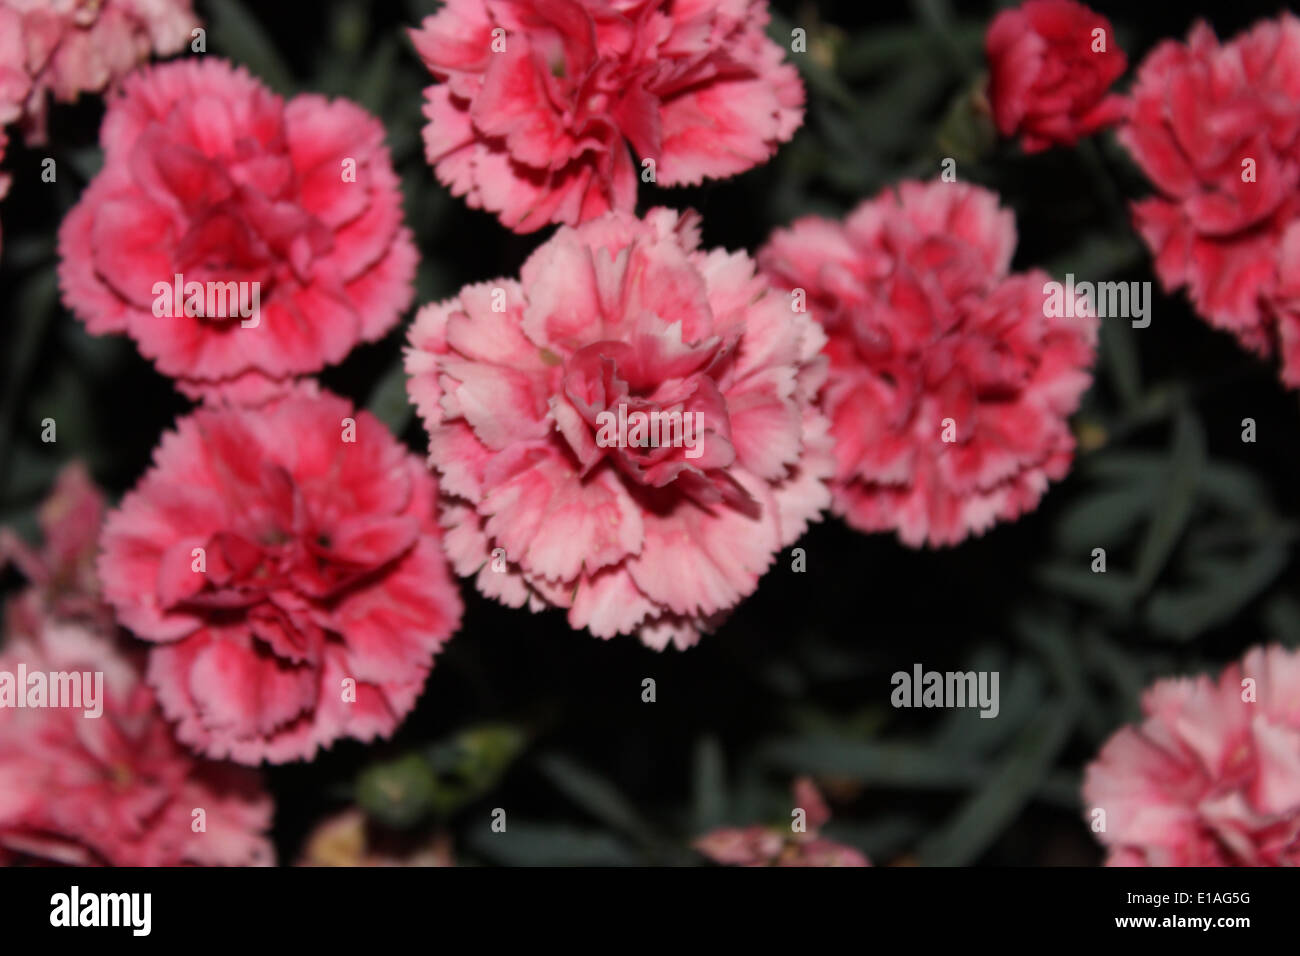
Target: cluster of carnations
point(290, 564)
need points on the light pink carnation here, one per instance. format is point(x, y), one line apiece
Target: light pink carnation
point(71, 47)
point(537, 130)
point(114, 789)
point(541, 501)
point(318, 564)
point(1211, 777)
point(930, 333)
point(209, 175)
point(783, 845)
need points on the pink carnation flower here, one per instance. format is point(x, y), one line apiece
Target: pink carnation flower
point(1216, 127)
point(287, 563)
point(71, 47)
point(949, 388)
point(540, 100)
point(784, 845)
point(61, 570)
point(1211, 777)
point(209, 176)
point(549, 501)
point(115, 789)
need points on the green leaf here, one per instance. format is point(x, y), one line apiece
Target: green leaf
point(708, 784)
point(597, 796)
point(1104, 519)
point(1112, 590)
point(533, 844)
point(1219, 590)
point(888, 765)
point(1177, 501)
point(389, 402)
point(1003, 794)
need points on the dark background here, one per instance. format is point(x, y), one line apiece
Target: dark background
point(524, 714)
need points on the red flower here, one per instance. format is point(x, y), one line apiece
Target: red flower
point(1216, 127)
point(949, 386)
point(291, 209)
point(549, 502)
point(1051, 65)
point(540, 99)
point(287, 563)
point(1211, 775)
point(114, 789)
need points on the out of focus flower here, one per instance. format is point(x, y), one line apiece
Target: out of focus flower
point(1216, 127)
point(1051, 66)
point(114, 789)
point(784, 845)
point(346, 839)
point(539, 395)
point(949, 386)
point(70, 47)
point(240, 240)
point(1211, 776)
point(287, 563)
point(61, 570)
point(539, 100)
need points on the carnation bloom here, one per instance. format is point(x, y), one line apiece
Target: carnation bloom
point(1216, 127)
point(783, 845)
point(949, 387)
point(521, 385)
point(540, 100)
point(61, 571)
point(115, 789)
point(69, 47)
point(1050, 73)
point(291, 207)
point(287, 563)
point(1211, 777)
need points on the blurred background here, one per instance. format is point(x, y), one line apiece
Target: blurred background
point(522, 713)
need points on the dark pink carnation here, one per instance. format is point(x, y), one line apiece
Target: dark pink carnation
point(518, 380)
point(784, 845)
point(1216, 127)
point(115, 789)
point(538, 130)
point(278, 557)
point(1211, 777)
point(210, 176)
point(931, 339)
point(1050, 73)
point(70, 47)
